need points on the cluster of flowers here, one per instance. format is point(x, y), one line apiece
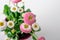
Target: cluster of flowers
point(19, 22)
point(26, 27)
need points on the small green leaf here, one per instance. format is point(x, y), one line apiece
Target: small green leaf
point(23, 7)
point(16, 38)
point(9, 34)
point(6, 9)
point(7, 30)
point(28, 10)
point(18, 31)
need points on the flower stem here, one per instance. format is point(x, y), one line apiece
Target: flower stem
point(34, 36)
point(15, 14)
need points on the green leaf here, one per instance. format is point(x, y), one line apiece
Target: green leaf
point(9, 34)
point(6, 9)
point(16, 38)
point(20, 22)
point(7, 30)
point(16, 14)
point(8, 13)
point(23, 7)
point(28, 10)
point(16, 27)
point(18, 31)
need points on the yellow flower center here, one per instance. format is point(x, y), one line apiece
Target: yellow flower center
point(10, 24)
point(1, 24)
point(30, 17)
point(35, 26)
point(20, 10)
point(14, 8)
point(25, 26)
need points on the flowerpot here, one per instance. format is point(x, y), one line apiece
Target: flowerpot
point(24, 36)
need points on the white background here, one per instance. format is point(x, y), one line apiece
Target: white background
point(48, 17)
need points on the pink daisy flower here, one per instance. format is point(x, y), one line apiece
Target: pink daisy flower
point(16, 1)
point(29, 18)
point(41, 38)
point(25, 28)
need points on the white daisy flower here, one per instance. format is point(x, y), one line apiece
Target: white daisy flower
point(7, 39)
point(22, 0)
point(10, 24)
point(20, 4)
point(11, 39)
point(14, 8)
point(20, 10)
point(2, 25)
point(35, 27)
